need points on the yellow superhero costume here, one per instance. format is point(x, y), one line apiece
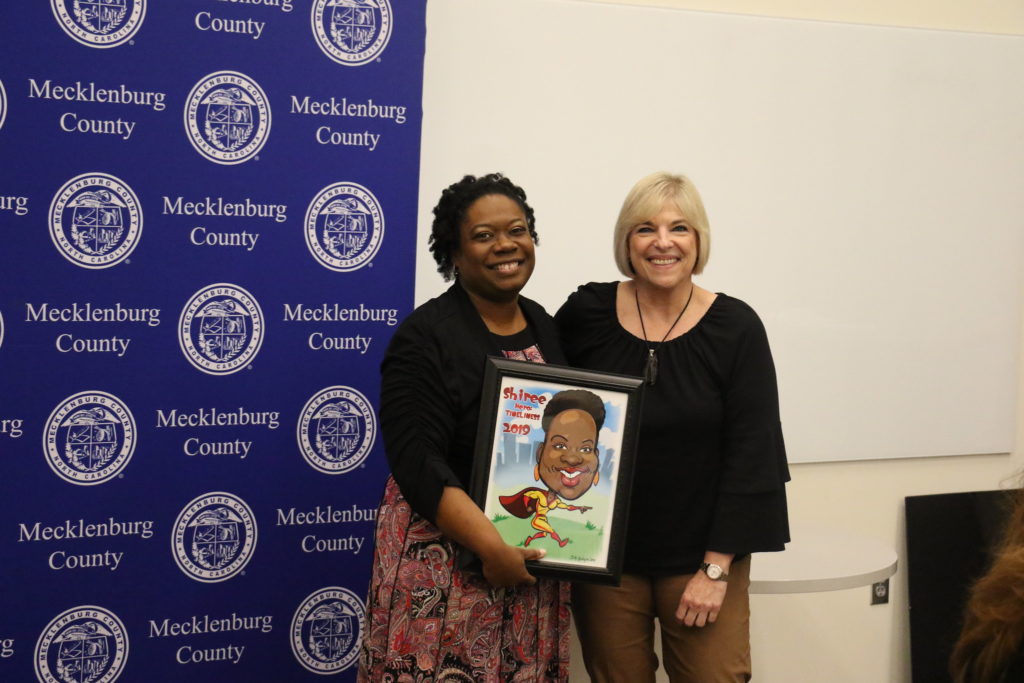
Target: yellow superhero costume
point(539, 503)
point(541, 509)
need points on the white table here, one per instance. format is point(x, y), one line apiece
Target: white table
point(820, 559)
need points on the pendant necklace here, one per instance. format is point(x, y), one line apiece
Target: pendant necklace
point(651, 368)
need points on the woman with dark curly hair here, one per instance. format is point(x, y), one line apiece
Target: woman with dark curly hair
point(427, 618)
point(990, 648)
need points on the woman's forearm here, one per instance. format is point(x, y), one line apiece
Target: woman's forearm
point(461, 520)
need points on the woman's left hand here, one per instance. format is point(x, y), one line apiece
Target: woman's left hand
point(701, 600)
point(703, 596)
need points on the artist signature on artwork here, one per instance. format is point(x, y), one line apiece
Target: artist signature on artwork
point(581, 559)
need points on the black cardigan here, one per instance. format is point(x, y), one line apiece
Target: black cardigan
point(430, 392)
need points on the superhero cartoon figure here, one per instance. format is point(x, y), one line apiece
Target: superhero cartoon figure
point(568, 461)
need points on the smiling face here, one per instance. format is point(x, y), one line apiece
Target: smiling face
point(495, 256)
point(568, 458)
point(663, 250)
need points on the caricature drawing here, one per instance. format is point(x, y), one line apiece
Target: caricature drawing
point(568, 461)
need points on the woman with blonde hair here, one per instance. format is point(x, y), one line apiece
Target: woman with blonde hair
point(989, 649)
point(710, 475)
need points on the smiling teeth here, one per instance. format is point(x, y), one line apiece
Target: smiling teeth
point(571, 475)
point(507, 267)
point(663, 261)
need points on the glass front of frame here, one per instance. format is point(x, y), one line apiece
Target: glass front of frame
point(554, 464)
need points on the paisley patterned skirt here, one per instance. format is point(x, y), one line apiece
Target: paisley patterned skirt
point(428, 621)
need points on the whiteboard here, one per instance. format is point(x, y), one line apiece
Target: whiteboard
point(864, 186)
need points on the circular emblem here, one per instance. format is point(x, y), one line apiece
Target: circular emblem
point(85, 644)
point(95, 220)
point(221, 329)
point(213, 537)
point(227, 117)
point(325, 630)
point(336, 430)
point(344, 226)
point(89, 438)
point(3, 104)
point(99, 23)
point(352, 32)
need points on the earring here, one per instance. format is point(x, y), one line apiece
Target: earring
point(536, 472)
point(597, 477)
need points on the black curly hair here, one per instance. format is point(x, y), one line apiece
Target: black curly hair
point(579, 399)
point(451, 211)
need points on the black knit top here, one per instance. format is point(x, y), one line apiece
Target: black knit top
point(711, 464)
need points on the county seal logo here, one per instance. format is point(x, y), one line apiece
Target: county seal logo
point(352, 32)
point(85, 644)
point(227, 117)
point(221, 329)
point(99, 23)
point(95, 220)
point(3, 104)
point(325, 630)
point(214, 536)
point(336, 430)
point(89, 438)
point(344, 227)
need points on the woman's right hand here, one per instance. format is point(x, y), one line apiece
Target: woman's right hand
point(462, 521)
point(505, 565)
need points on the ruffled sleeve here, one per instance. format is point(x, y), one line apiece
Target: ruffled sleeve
point(750, 511)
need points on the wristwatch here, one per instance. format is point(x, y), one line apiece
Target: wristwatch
point(714, 572)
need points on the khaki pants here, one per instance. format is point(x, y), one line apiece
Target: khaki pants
point(616, 629)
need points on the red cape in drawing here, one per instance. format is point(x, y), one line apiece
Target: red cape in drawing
point(518, 504)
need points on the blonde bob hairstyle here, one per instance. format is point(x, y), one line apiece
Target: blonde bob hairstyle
point(644, 202)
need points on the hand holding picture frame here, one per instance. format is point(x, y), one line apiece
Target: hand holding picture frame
point(553, 465)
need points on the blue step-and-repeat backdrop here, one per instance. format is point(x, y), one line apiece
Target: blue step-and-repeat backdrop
point(208, 218)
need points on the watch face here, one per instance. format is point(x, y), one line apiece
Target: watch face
point(713, 571)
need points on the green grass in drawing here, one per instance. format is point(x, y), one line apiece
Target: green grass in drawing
point(585, 539)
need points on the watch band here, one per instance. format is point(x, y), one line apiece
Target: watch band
point(714, 571)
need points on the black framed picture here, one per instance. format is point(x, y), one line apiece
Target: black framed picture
point(553, 466)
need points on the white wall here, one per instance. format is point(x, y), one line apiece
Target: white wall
point(982, 16)
point(838, 636)
point(830, 140)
